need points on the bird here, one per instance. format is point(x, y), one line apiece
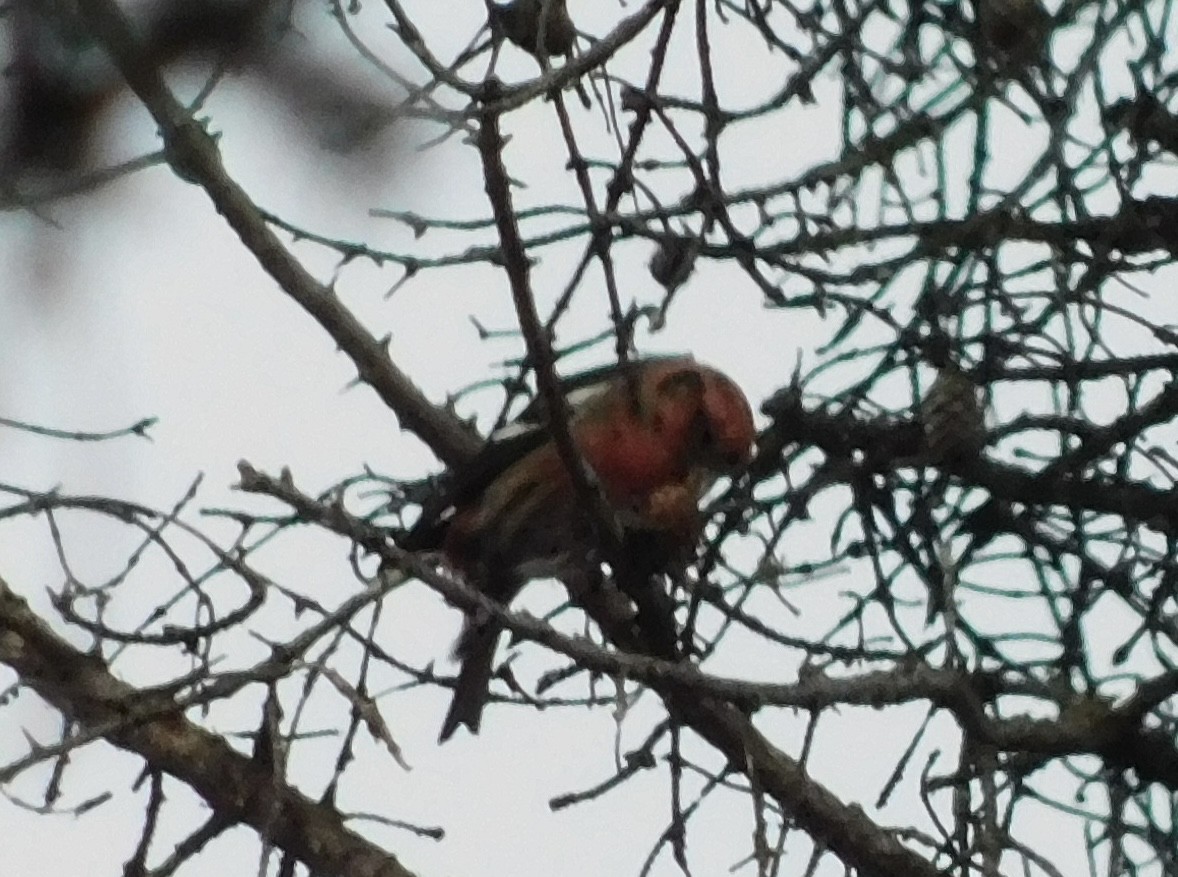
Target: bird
point(656, 433)
point(542, 28)
point(953, 420)
point(523, 20)
point(1014, 33)
point(952, 416)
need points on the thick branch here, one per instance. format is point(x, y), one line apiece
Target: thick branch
point(889, 443)
point(1144, 226)
point(84, 690)
point(193, 155)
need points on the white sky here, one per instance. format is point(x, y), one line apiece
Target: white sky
point(156, 310)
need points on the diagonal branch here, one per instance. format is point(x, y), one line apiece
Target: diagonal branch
point(539, 343)
point(845, 829)
point(84, 690)
point(193, 155)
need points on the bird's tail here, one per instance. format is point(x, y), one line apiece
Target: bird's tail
point(476, 649)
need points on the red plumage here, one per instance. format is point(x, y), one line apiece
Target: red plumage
point(656, 434)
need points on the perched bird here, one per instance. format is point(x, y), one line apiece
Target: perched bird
point(656, 433)
point(952, 416)
point(954, 424)
point(542, 28)
point(534, 28)
point(1014, 33)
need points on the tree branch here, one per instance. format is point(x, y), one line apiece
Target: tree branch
point(847, 830)
point(83, 689)
point(193, 155)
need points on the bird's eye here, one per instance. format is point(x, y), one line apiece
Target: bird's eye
point(733, 458)
point(707, 439)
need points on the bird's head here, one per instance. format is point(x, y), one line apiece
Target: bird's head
point(711, 411)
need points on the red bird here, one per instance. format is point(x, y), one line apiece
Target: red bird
point(656, 433)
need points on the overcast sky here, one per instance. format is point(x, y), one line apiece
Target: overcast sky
point(141, 302)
